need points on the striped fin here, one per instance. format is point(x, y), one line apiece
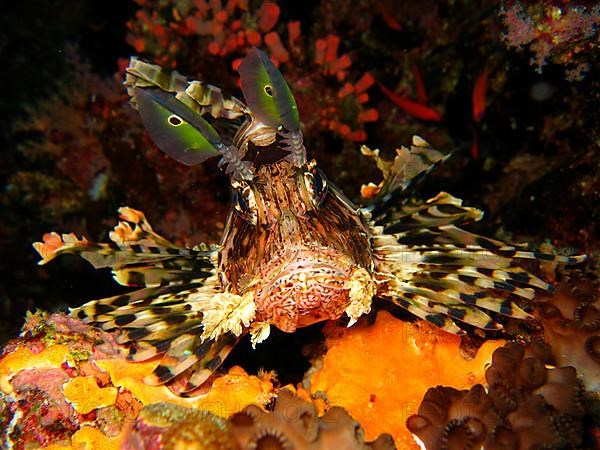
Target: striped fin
point(443, 209)
point(138, 256)
point(167, 322)
point(201, 97)
point(446, 303)
point(435, 266)
point(408, 168)
point(449, 238)
point(423, 312)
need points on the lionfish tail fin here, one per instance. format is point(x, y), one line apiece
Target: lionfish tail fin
point(444, 274)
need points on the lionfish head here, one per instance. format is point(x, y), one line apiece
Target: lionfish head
point(295, 243)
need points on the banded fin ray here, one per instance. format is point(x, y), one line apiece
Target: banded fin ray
point(166, 318)
point(408, 168)
point(422, 311)
point(449, 238)
point(202, 97)
point(138, 256)
point(446, 303)
point(436, 270)
point(166, 322)
point(443, 209)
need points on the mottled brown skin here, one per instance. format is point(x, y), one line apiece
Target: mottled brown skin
point(298, 256)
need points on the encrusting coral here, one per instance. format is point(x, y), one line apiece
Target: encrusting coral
point(66, 383)
point(527, 405)
point(380, 372)
point(292, 423)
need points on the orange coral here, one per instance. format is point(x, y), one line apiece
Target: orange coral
point(380, 372)
point(85, 395)
point(63, 387)
point(24, 358)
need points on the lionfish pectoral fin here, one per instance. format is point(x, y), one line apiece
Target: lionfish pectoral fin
point(199, 360)
point(271, 102)
point(443, 209)
point(189, 326)
point(408, 168)
point(138, 255)
point(435, 269)
point(201, 97)
point(267, 93)
point(423, 312)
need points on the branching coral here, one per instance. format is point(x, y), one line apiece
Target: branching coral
point(527, 405)
point(379, 372)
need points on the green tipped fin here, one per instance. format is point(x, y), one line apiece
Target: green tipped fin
point(266, 92)
point(179, 131)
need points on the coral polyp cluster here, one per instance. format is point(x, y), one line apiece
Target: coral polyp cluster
point(527, 405)
point(291, 423)
point(571, 322)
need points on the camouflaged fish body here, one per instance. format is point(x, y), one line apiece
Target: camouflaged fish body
point(295, 250)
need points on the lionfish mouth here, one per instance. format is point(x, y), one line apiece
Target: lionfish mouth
point(308, 288)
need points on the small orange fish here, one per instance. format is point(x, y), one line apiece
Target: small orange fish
point(479, 94)
point(412, 107)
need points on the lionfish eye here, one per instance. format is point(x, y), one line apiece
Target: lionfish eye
point(316, 184)
point(174, 120)
point(245, 204)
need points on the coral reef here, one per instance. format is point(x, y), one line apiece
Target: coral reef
point(79, 152)
point(64, 381)
point(365, 366)
point(571, 322)
point(553, 31)
point(527, 405)
point(291, 422)
point(68, 385)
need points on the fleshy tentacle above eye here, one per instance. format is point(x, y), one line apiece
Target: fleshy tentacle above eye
point(271, 101)
point(181, 313)
point(432, 268)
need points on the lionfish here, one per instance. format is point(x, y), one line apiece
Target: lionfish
point(295, 250)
